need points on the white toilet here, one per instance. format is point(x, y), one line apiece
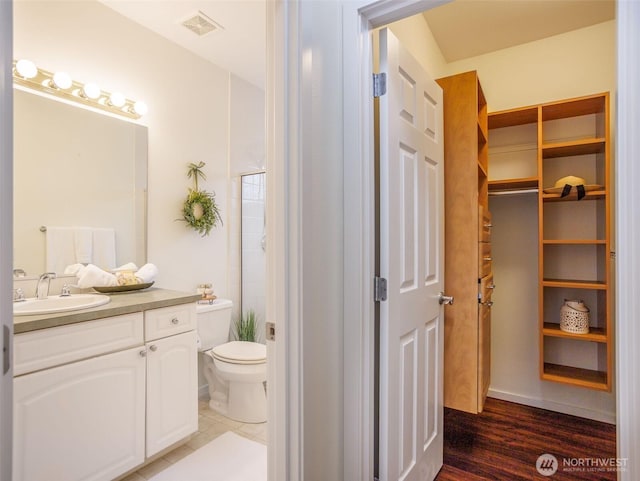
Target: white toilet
point(236, 371)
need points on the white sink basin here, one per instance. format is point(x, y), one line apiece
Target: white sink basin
point(53, 304)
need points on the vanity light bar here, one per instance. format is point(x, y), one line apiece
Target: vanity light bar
point(25, 73)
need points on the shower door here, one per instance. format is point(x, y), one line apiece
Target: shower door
point(253, 248)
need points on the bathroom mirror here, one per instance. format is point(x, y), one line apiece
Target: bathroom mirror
point(253, 240)
point(76, 167)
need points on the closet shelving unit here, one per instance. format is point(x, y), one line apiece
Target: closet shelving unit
point(574, 241)
point(536, 146)
point(469, 279)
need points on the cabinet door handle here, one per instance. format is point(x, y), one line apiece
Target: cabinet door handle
point(488, 258)
point(143, 353)
point(175, 320)
point(488, 303)
point(492, 286)
point(489, 225)
point(153, 348)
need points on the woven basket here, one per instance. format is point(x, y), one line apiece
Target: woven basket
point(574, 317)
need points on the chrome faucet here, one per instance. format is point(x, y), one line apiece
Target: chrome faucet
point(42, 291)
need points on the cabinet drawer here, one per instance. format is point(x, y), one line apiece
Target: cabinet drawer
point(46, 348)
point(168, 321)
point(484, 259)
point(484, 225)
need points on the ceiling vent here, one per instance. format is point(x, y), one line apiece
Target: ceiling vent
point(201, 25)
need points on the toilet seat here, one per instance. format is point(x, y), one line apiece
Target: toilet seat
point(240, 352)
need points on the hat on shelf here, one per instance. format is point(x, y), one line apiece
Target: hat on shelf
point(564, 185)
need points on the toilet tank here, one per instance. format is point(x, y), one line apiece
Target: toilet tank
point(214, 321)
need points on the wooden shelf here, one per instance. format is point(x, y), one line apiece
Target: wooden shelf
point(576, 376)
point(592, 104)
point(573, 196)
point(513, 117)
point(482, 170)
point(574, 284)
point(595, 334)
point(482, 134)
point(573, 147)
point(575, 242)
point(513, 184)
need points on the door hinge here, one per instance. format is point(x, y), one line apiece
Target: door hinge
point(379, 84)
point(379, 289)
point(270, 334)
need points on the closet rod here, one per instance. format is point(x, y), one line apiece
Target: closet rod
point(514, 192)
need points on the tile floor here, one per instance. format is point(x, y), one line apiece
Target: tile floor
point(210, 426)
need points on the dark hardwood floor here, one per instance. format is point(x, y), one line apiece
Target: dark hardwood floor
point(506, 439)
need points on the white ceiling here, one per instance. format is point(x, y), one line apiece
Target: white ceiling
point(462, 28)
point(238, 47)
point(466, 28)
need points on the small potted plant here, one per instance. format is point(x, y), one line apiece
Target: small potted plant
point(246, 328)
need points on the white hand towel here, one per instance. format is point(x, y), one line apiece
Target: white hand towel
point(147, 273)
point(129, 266)
point(73, 269)
point(104, 248)
point(83, 244)
point(60, 251)
point(93, 276)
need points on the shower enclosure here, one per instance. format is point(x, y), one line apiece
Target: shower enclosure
point(253, 247)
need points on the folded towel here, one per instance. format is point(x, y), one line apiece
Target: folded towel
point(73, 269)
point(129, 266)
point(60, 250)
point(93, 276)
point(83, 244)
point(104, 248)
point(147, 273)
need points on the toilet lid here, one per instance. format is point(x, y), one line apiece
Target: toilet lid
point(241, 352)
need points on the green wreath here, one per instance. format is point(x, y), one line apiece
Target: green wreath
point(200, 210)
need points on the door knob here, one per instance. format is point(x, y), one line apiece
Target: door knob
point(442, 299)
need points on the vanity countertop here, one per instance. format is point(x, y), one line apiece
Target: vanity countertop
point(121, 303)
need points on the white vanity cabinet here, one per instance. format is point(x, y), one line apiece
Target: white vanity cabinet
point(93, 400)
point(172, 376)
point(81, 420)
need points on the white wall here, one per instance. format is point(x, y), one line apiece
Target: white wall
point(569, 65)
point(414, 33)
point(188, 118)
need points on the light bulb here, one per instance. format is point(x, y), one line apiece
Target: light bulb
point(91, 91)
point(61, 80)
point(117, 99)
point(26, 68)
point(140, 108)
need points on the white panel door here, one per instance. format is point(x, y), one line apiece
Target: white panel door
point(411, 240)
point(81, 421)
point(172, 390)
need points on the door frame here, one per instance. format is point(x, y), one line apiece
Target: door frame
point(359, 18)
point(6, 232)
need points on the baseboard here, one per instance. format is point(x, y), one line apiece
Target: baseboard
point(602, 416)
